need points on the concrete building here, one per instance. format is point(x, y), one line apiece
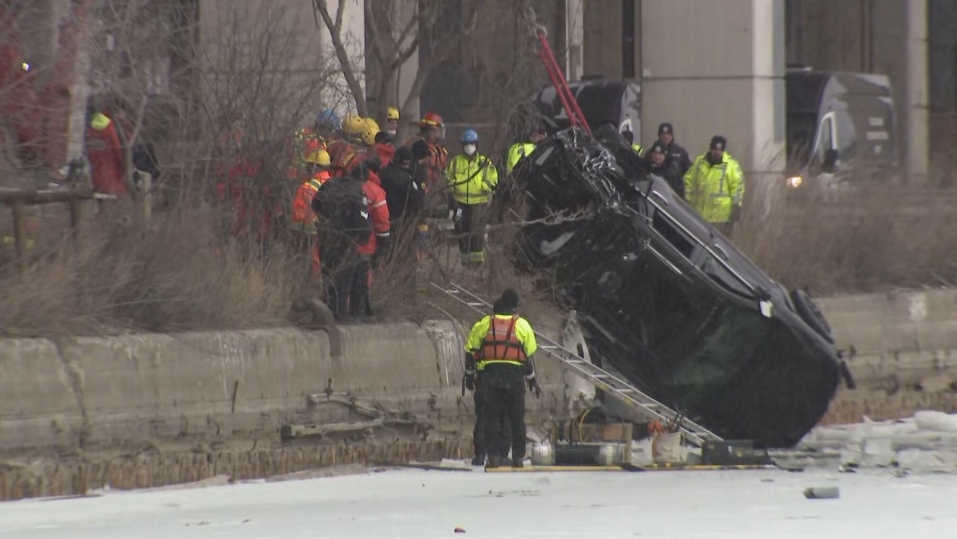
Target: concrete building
point(287, 48)
point(717, 66)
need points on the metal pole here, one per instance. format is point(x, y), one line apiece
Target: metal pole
point(916, 89)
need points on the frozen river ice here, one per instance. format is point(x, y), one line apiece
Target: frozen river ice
point(423, 504)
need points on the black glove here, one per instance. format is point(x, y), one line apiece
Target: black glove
point(470, 382)
point(534, 387)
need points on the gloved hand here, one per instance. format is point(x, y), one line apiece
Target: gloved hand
point(470, 382)
point(535, 388)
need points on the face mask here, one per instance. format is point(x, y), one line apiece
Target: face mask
point(469, 149)
point(390, 132)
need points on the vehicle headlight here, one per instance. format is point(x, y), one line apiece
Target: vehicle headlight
point(795, 181)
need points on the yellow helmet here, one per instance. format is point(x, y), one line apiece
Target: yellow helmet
point(392, 114)
point(319, 157)
point(369, 131)
point(352, 125)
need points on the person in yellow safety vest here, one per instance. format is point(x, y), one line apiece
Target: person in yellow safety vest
point(714, 185)
point(502, 347)
point(520, 150)
point(472, 178)
point(392, 121)
point(629, 136)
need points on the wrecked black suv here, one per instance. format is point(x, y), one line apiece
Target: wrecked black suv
point(669, 302)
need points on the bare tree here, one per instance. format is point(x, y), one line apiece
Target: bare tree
point(394, 35)
point(334, 26)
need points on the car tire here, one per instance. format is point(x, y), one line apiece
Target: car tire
point(809, 312)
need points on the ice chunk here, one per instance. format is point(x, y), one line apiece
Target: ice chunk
point(878, 452)
point(935, 421)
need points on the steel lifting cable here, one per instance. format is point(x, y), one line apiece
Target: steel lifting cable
point(575, 116)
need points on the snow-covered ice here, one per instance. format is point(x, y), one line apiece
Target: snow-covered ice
point(422, 504)
point(879, 501)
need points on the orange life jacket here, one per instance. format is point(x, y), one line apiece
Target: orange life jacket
point(501, 343)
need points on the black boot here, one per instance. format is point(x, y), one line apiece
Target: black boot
point(478, 460)
point(492, 461)
point(518, 462)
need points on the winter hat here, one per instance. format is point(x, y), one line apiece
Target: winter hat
point(718, 143)
point(666, 128)
point(420, 149)
point(658, 146)
point(403, 156)
point(509, 300)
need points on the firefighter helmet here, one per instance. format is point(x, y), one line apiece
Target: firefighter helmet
point(392, 114)
point(319, 157)
point(352, 125)
point(369, 131)
point(430, 119)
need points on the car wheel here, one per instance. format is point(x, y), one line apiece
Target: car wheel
point(809, 312)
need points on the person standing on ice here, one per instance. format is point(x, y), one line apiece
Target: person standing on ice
point(502, 346)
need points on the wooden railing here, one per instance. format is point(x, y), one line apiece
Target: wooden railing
point(18, 199)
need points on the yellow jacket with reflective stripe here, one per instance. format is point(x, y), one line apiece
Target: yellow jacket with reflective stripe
point(638, 149)
point(523, 330)
point(713, 190)
point(472, 180)
point(518, 151)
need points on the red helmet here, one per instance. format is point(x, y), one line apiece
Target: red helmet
point(430, 119)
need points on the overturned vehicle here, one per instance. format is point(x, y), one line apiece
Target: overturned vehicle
point(666, 300)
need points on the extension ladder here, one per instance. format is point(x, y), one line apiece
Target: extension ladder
point(602, 379)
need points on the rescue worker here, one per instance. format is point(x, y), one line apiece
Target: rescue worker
point(328, 125)
point(303, 219)
point(472, 179)
point(378, 245)
point(422, 155)
point(520, 149)
point(629, 137)
point(381, 144)
point(343, 152)
point(343, 224)
point(105, 153)
point(474, 384)
point(432, 131)
point(392, 121)
point(674, 151)
point(714, 186)
point(352, 127)
point(404, 185)
point(404, 194)
point(304, 143)
point(661, 166)
point(502, 346)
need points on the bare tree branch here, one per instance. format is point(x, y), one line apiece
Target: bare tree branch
point(335, 31)
point(340, 12)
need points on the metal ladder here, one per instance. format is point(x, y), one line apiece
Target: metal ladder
point(604, 380)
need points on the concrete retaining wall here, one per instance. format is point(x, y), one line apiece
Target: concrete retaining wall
point(101, 392)
point(96, 392)
point(901, 348)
